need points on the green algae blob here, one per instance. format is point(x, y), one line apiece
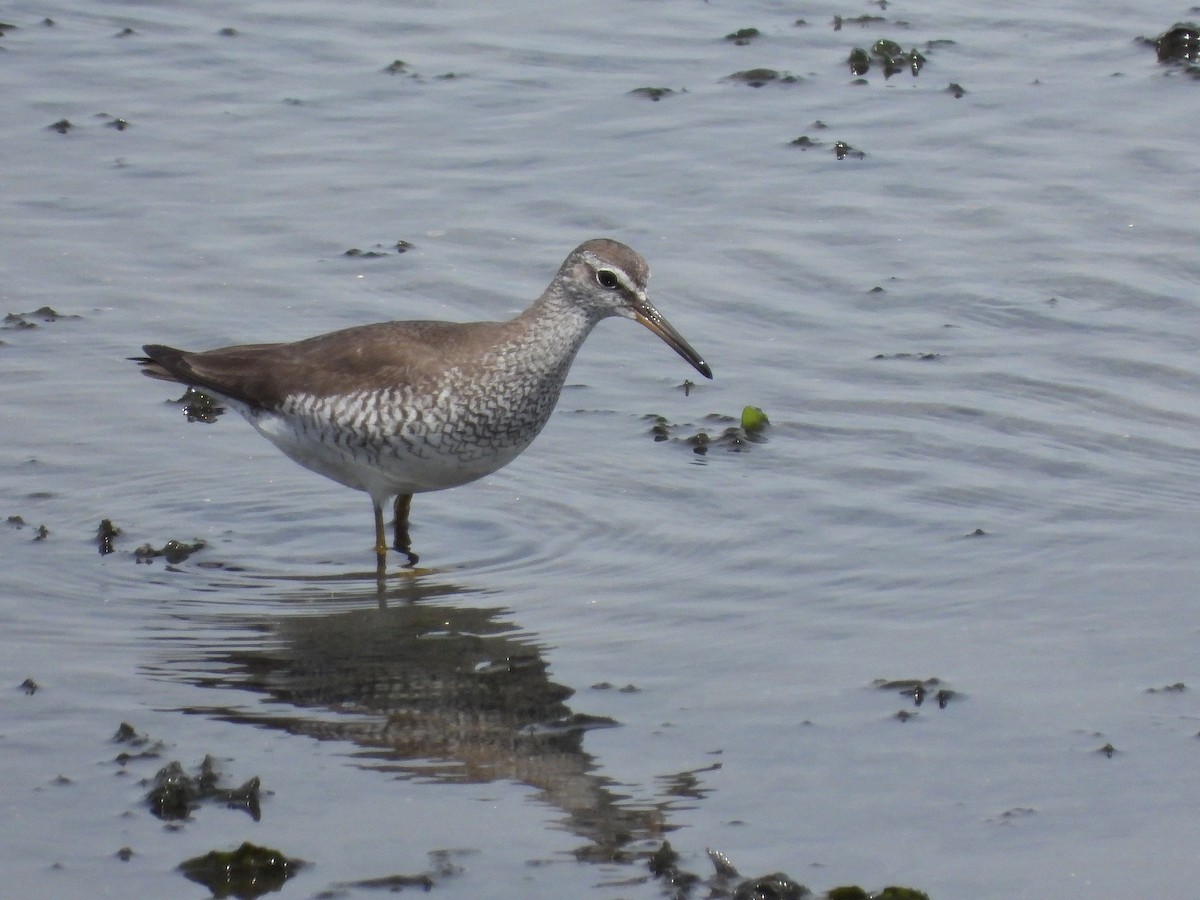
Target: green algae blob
point(754, 420)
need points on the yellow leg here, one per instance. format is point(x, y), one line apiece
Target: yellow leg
point(381, 547)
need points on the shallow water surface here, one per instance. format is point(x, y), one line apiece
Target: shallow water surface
point(976, 343)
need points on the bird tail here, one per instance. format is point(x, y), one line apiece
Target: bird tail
point(164, 363)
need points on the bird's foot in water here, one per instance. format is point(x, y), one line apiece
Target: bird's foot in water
point(412, 557)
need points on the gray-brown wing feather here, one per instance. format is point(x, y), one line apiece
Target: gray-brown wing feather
point(367, 357)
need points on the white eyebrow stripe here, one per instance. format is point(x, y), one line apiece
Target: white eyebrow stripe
point(622, 276)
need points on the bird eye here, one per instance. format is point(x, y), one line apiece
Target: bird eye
point(607, 279)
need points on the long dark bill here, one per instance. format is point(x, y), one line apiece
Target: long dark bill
point(653, 319)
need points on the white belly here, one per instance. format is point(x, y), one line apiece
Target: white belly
point(408, 460)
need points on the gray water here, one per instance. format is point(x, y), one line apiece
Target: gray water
point(1027, 370)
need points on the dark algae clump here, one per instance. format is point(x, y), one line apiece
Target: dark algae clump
point(736, 435)
point(106, 535)
point(889, 56)
point(726, 883)
point(918, 689)
point(175, 793)
point(652, 93)
point(758, 77)
point(200, 407)
point(247, 872)
point(1181, 43)
point(842, 150)
point(743, 36)
point(45, 314)
point(174, 552)
point(1178, 47)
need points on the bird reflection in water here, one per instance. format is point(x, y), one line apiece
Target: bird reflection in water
point(426, 688)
